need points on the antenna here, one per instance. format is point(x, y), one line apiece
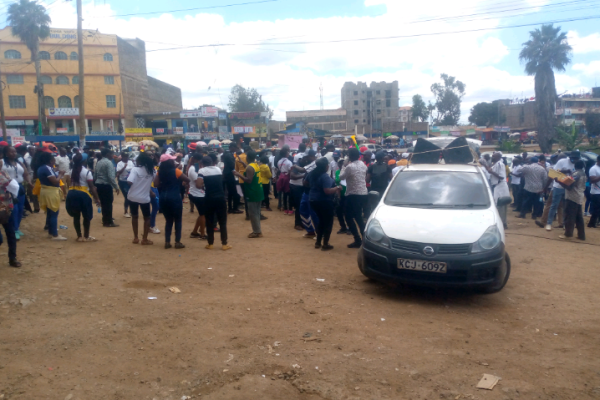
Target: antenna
point(321, 90)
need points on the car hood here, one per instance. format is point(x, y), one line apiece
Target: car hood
point(435, 226)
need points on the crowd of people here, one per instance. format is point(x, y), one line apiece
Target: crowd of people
point(315, 186)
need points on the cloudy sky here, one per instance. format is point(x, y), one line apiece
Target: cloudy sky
point(287, 48)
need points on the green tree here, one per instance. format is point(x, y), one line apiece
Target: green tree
point(592, 124)
point(509, 147)
point(448, 96)
point(486, 114)
point(546, 50)
point(419, 108)
point(30, 22)
point(242, 99)
point(568, 139)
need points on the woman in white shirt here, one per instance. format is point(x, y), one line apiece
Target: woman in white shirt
point(17, 171)
point(140, 182)
point(79, 199)
point(124, 168)
point(196, 195)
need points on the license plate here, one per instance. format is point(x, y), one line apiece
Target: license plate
point(420, 265)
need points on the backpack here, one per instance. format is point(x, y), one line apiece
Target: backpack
point(6, 199)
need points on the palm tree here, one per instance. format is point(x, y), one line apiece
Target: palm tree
point(30, 22)
point(545, 51)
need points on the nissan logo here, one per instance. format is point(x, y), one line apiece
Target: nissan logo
point(428, 250)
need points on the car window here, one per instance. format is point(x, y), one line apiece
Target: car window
point(438, 189)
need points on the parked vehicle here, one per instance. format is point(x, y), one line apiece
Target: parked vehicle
point(437, 225)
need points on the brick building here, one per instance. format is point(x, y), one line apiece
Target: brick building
point(370, 107)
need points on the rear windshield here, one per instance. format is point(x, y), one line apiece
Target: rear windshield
point(438, 189)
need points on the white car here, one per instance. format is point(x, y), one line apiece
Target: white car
point(437, 225)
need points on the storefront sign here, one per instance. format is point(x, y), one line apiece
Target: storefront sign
point(193, 136)
point(223, 129)
point(160, 130)
point(222, 116)
point(178, 130)
point(210, 136)
point(244, 115)
point(242, 129)
point(15, 122)
point(225, 136)
point(104, 133)
point(62, 130)
point(67, 112)
point(17, 139)
point(203, 112)
point(502, 128)
point(139, 130)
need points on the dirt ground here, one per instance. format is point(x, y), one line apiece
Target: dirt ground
point(76, 321)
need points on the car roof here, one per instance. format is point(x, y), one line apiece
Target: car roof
point(442, 167)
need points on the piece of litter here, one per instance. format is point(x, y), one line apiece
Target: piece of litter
point(295, 366)
point(263, 376)
point(247, 309)
point(277, 354)
point(383, 319)
point(231, 276)
point(225, 370)
point(316, 367)
point(537, 330)
point(276, 344)
point(209, 268)
point(152, 298)
point(320, 280)
point(556, 334)
point(488, 382)
point(485, 364)
point(174, 290)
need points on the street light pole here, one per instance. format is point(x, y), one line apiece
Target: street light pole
point(3, 120)
point(82, 122)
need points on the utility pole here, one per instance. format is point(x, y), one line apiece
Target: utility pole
point(4, 133)
point(82, 122)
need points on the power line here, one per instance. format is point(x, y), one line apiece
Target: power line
point(185, 9)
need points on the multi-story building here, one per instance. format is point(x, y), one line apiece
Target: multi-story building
point(520, 117)
point(371, 107)
point(116, 83)
point(327, 120)
point(405, 114)
point(571, 108)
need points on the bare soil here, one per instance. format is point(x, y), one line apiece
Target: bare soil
point(76, 321)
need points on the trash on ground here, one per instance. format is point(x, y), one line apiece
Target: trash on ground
point(320, 280)
point(152, 298)
point(174, 289)
point(488, 382)
point(231, 276)
point(383, 319)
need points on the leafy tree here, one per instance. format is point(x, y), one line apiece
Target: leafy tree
point(30, 22)
point(486, 114)
point(448, 96)
point(419, 108)
point(546, 50)
point(567, 138)
point(592, 124)
point(509, 147)
point(242, 99)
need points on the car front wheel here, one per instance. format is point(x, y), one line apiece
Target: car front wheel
point(501, 277)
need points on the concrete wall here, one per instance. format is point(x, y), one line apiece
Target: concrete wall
point(132, 55)
point(378, 101)
point(163, 96)
point(520, 116)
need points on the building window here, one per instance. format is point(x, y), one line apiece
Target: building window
point(111, 101)
point(76, 101)
point(16, 101)
point(108, 57)
point(14, 79)
point(388, 94)
point(378, 111)
point(44, 55)
point(355, 92)
point(356, 121)
point(60, 55)
point(48, 102)
point(355, 112)
point(74, 56)
point(64, 102)
point(109, 80)
point(13, 54)
point(75, 80)
point(45, 80)
point(364, 120)
point(378, 92)
point(369, 94)
point(388, 103)
point(62, 80)
point(355, 102)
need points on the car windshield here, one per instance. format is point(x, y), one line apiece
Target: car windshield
point(438, 189)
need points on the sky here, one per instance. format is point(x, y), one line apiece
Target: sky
point(287, 49)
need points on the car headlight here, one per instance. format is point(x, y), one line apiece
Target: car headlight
point(488, 241)
point(376, 234)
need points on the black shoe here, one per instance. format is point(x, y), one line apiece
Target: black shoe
point(342, 231)
point(236, 212)
point(247, 218)
point(111, 225)
point(326, 247)
point(262, 217)
point(538, 223)
point(354, 245)
point(317, 245)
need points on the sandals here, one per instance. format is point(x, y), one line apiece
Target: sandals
point(89, 239)
point(179, 246)
point(255, 235)
point(80, 239)
point(147, 242)
point(135, 241)
point(195, 235)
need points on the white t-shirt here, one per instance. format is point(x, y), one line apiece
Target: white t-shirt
point(565, 163)
point(193, 175)
point(139, 191)
point(14, 172)
point(329, 156)
point(284, 165)
point(125, 174)
point(63, 164)
point(298, 157)
point(516, 180)
point(84, 176)
point(397, 169)
point(595, 187)
point(499, 169)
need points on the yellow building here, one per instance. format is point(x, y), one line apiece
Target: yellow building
point(113, 92)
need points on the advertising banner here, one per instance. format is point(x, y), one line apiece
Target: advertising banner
point(67, 112)
point(139, 130)
point(193, 136)
point(225, 136)
point(242, 129)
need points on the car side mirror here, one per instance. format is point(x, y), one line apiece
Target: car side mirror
point(503, 201)
point(373, 199)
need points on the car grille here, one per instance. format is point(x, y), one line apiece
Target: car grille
point(440, 249)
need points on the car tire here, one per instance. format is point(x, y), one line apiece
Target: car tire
point(502, 278)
